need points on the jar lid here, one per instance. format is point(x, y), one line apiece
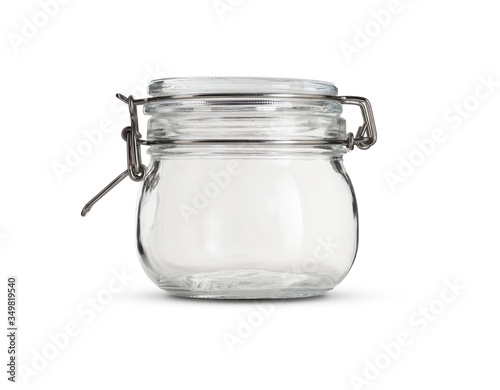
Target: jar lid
point(239, 85)
point(243, 108)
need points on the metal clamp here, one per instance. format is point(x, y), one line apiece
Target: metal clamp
point(365, 137)
point(136, 170)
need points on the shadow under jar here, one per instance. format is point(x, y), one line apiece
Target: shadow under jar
point(246, 195)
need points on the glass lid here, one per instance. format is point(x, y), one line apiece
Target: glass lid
point(239, 85)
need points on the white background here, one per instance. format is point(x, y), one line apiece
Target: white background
point(437, 225)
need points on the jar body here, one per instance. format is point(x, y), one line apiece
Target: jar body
point(247, 221)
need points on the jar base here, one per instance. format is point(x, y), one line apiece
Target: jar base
point(246, 284)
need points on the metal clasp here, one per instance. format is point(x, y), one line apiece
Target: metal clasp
point(365, 137)
point(135, 169)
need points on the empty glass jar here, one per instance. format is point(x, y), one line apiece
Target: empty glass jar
point(246, 194)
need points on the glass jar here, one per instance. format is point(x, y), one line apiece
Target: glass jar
point(246, 194)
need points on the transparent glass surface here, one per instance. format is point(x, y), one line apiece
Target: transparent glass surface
point(243, 227)
point(246, 219)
